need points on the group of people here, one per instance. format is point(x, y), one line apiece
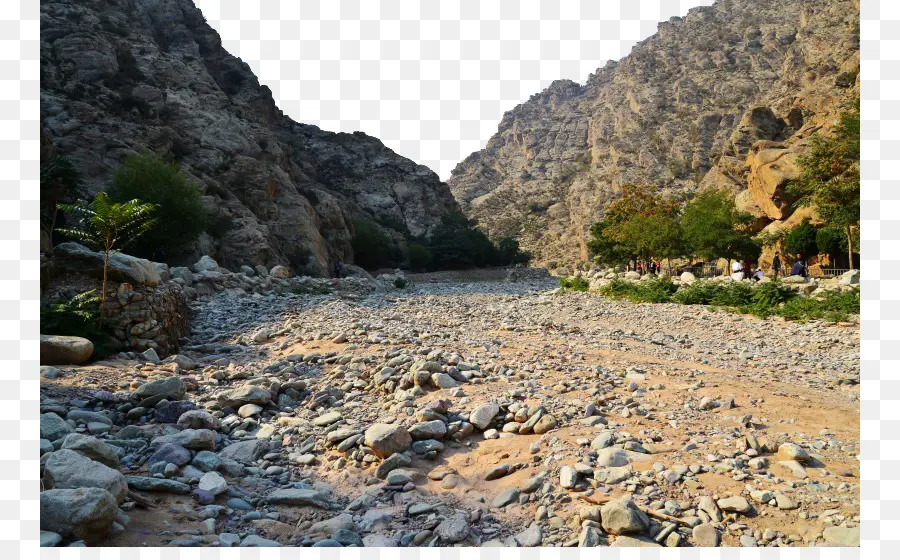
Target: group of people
point(651, 266)
point(739, 269)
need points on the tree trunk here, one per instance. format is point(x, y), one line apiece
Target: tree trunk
point(103, 291)
point(850, 245)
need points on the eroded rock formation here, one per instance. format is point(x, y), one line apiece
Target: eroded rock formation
point(683, 111)
point(118, 76)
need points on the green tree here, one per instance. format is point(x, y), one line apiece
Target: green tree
point(801, 240)
point(602, 248)
point(641, 224)
point(830, 240)
point(714, 228)
point(372, 248)
point(457, 244)
point(109, 227)
point(419, 257)
point(509, 253)
point(150, 178)
point(829, 181)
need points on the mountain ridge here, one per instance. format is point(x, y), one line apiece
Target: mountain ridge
point(681, 112)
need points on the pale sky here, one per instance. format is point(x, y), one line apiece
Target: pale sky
point(430, 79)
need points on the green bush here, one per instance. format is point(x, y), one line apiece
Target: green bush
point(78, 316)
point(696, 293)
point(573, 283)
point(732, 294)
point(655, 290)
point(419, 257)
point(372, 248)
point(401, 283)
point(182, 217)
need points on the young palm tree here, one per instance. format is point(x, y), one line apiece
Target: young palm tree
point(108, 227)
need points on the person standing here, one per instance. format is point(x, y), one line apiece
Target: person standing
point(737, 270)
point(776, 265)
point(338, 268)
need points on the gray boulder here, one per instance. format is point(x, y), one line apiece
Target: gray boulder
point(245, 452)
point(92, 448)
point(171, 388)
point(82, 513)
point(74, 257)
point(482, 416)
point(387, 439)
point(69, 469)
point(249, 394)
point(53, 427)
point(622, 517)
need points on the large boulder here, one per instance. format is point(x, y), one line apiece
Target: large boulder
point(92, 448)
point(246, 452)
point(171, 388)
point(75, 257)
point(387, 439)
point(53, 427)
point(69, 469)
point(65, 350)
point(206, 264)
point(482, 416)
point(621, 517)
point(248, 394)
point(82, 513)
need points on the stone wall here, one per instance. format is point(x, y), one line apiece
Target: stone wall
point(141, 317)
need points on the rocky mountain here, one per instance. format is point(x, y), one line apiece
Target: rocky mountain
point(687, 109)
point(118, 76)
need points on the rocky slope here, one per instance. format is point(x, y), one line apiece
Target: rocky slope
point(118, 76)
point(682, 112)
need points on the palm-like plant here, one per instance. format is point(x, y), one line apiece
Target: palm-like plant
point(109, 227)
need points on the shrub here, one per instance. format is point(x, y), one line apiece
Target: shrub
point(656, 290)
point(401, 283)
point(573, 283)
point(697, 293)
point(371, 246)
point(419, 257)
point(732, 294)
point(77, 316)
point(182, 217)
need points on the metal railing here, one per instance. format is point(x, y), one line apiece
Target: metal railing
point(831, 272)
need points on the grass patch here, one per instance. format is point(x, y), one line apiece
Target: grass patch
point(573, 284)
point(763, 300)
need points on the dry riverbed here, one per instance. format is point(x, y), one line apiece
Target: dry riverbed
point(478, 414)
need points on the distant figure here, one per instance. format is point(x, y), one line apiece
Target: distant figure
point(758, 275)
point(159, 255)
point(652, 266)
point(776, 265)
point(799, 268)
point(737, 270)
point(338, 268)
point(658, 267)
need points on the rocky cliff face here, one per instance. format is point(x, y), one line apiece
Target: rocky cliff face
point(685, 110)
point(118, 76)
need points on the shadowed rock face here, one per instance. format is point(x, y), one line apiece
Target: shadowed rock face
point(118, 76)
point(681, 112)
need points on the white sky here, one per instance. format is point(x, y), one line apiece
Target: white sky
point(430, 79)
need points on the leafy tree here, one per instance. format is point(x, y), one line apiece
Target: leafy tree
point(457, 244)
point(59, 180)
point(150, 178)
point(829, 182)
point(509, 253)
point(109, 227)
point(419, 257)
point(372, 248)
point(801, 240)
point(830, 240)
point(714, 228)
point(641, 223)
